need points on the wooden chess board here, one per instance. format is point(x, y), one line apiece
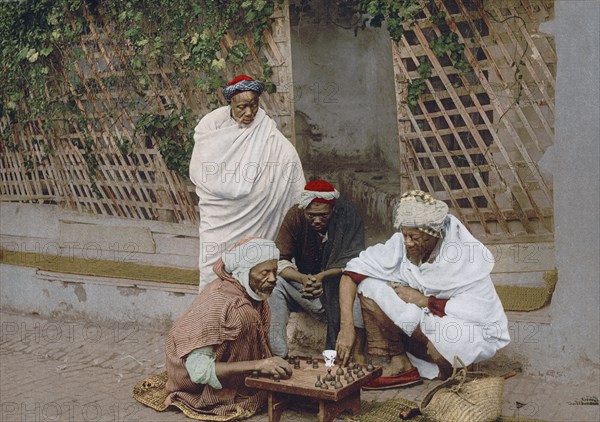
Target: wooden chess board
point(332, 400)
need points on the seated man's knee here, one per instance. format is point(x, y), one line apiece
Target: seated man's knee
point(278, 339)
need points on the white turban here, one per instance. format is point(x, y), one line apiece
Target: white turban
point(422, 211)
point(238, 261)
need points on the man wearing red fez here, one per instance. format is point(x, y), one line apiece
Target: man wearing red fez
point(247, 174)
point(318, 236)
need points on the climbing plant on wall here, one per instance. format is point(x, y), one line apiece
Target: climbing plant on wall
point(399, 15)
point(44, 45)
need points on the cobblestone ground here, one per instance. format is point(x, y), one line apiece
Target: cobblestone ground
point(65, 370)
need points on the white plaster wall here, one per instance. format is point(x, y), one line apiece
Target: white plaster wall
point(574, 346)
point(50, 230)
point(93, 299)
point(344, 89)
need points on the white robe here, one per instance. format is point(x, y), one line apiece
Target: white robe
point(246, 178)
point(475, 325)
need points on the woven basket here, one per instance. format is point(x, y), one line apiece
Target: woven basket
point(465, 397)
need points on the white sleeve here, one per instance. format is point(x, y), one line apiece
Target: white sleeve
point(282, 264)
point(200, 365)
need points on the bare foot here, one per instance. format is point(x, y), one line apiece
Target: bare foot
point(398, 364)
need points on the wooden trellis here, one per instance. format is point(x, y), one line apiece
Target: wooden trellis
point(475, 139)
point(49, 165)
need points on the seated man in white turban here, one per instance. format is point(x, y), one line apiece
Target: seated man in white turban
point(223, 336)
point(426, 297)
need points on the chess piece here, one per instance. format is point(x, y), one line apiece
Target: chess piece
point(318, 384)
point(339, 371)
point(338, 383)
point(360, 373)
point(325, 386)
point(328, 377)
point(309, 359)
point(370, 366)
point(297, 364)
point(315, 364)
point(254, 374)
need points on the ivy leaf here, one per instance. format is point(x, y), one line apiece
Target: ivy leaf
point(32, 55)
point(52, 19)
point(23, 53)
point(46, 51)
point(259, 5)
point(250, 16)
point(439, 18)
point(55, 35)
point(218, 65)
point(136, 62)
point(424, 68)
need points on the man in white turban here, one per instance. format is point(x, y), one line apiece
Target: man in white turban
point(223, 336)
point(426, 296)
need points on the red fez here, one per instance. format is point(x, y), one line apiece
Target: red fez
point(239, 78)
point(320, 186)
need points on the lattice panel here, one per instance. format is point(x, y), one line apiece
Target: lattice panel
point(474, 139)
point(50, 166)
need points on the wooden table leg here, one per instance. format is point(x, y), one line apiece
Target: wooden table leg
point(329, 410)
point(277, 404)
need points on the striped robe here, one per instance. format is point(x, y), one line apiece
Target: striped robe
point(222, 316)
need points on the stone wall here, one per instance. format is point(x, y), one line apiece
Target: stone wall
point(343, 88)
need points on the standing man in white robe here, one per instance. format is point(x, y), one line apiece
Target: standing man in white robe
point(247, 174)
point(426, 297)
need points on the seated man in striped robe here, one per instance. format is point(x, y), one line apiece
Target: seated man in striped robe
point(223, 336)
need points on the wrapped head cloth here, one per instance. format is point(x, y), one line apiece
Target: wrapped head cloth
point(420, 210)
point(242, 83)
point(239, 260)
point(318, 191)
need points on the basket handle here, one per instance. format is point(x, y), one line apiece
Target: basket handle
point(459, 375)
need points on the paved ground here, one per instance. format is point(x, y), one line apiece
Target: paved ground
point(59, 370)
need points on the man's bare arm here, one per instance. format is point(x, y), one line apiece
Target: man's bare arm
point(346, 335)
point(270, 366)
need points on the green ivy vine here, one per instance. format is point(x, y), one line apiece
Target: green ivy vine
point(393, 12)
point(417, 87)
point(397, 15)
point(40, 47)
point(167, 129)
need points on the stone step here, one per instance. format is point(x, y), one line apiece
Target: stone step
point(129, 304)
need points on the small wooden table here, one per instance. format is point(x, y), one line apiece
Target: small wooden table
point(331, 402)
